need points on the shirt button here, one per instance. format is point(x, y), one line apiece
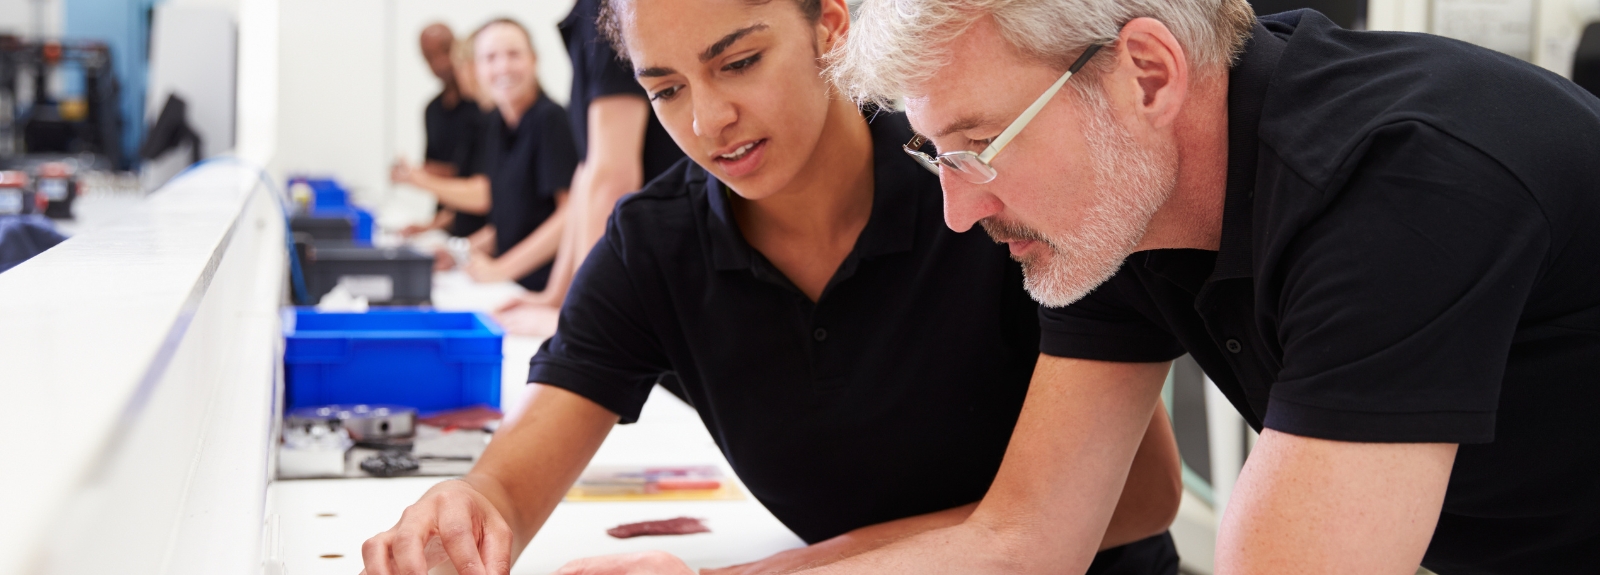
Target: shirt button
point(1234, 346)
point(820, 334)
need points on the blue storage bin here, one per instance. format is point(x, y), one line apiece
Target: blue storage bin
point(429, 360)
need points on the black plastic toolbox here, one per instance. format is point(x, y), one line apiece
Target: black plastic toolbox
point(385, 276)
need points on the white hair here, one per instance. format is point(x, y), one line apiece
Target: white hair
point(896, 45)
point(1130, 183)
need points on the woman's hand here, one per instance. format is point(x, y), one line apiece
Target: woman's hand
point(453, 522)
point(646, 563)
point(484, 268)
point(528, 319)
point(402, 172)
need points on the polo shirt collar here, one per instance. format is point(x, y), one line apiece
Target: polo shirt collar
point(891, 228)
point(1247, 87)
point(1247, 90)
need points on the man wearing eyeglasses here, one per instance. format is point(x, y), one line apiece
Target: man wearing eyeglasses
point(1381, 247)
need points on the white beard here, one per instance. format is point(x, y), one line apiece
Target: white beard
point(1130, 184)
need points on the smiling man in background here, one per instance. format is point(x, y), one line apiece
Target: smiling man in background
point(1378, 245)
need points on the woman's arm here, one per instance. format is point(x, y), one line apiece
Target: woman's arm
point(482, 522)
point(529, 254)
point(613, 168)
point(470, 194)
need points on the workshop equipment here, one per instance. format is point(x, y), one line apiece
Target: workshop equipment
point(55, 189)
point(383, 276)
point(34, 121)
point(16, 197)
point(427, 360)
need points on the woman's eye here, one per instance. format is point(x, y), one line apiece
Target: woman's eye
point(742, 64)
point(664, 95)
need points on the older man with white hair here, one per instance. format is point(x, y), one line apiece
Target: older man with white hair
point(1380, 246)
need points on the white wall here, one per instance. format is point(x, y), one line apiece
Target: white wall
point(17, 17)
point(351, 83)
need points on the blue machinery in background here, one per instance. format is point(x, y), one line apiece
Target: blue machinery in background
point(124, 26)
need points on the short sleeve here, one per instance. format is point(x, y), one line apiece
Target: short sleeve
point(611, 74)
point(604, 349)
point(1399, 302)
point(1112, 323)
point(558, 154)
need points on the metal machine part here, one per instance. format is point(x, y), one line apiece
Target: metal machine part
point(370, 425)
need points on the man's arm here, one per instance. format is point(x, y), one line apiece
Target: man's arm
point(1055, 494)
point(1148, 504)
point(484, 520)
point(530, 253)
point(1305, 505)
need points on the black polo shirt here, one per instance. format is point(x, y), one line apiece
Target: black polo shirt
point(597, 71)
point(1408, 255)
point(453, 136)
point(893, 395)
point(526, 166)
point(449, 131)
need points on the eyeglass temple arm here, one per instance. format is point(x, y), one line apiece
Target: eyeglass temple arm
point(1022, 121)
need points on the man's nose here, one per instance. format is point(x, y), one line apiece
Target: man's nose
point(965, 203)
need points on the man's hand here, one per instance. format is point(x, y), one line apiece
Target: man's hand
point(646, 563)
point(453, 522)
point(1314, 506)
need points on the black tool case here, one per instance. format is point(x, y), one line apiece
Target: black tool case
point(385, 276)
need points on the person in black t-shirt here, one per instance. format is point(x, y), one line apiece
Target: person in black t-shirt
point(451, 122)
point(860, 365)
point(622, 144)
point(1381, 247)
point(527, 160)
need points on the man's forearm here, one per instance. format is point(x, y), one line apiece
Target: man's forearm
point(1057, 489)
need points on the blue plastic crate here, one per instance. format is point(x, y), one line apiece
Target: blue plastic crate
point(429, 360)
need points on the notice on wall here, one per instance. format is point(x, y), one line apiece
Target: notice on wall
point(1501, 25)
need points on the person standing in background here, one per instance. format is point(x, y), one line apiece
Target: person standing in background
point(528, 160)
point(451, 121)
point(621, 145)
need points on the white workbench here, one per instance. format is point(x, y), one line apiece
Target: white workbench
point(322, 523)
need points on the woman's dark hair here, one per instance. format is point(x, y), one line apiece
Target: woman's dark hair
point(610, 20)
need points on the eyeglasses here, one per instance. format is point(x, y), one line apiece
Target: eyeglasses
point(974, 167)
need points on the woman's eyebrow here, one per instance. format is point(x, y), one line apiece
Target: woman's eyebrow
point(710, 52)
point(717, 48)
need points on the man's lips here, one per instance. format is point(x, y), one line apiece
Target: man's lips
point(1019, 247)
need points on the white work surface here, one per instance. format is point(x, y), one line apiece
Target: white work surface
point(322, 523)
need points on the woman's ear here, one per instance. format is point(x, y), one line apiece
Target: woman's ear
point(832, 24)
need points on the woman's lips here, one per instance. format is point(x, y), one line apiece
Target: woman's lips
point(744, 164)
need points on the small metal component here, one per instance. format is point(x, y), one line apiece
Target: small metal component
point(377, 425)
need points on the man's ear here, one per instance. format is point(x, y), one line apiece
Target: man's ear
point(1154, 71)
